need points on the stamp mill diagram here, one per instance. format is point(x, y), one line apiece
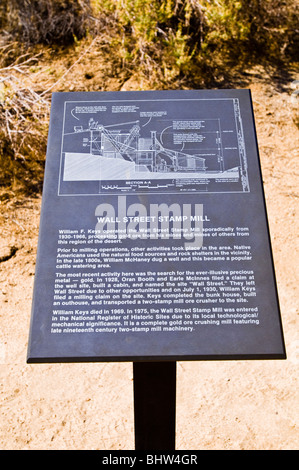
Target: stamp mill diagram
point(152, 146)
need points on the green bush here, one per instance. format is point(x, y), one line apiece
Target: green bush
point(159, 37)
point(170, 38)
point(256, 28)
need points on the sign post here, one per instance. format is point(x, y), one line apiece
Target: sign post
point(154, 244)
point(154, 405)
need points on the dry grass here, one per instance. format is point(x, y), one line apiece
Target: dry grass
point(24, 117)
point(47, 21)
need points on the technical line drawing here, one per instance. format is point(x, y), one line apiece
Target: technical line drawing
point(177, 151)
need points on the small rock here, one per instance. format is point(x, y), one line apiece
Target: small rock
point(7, 252)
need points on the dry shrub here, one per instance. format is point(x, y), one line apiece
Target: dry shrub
point(24, 113)
point(50, 21)
point(274, 27)
point(24, 118)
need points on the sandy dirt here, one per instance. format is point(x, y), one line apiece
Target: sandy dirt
point(230, 405)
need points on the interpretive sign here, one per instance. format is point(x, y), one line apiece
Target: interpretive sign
point(154, 241)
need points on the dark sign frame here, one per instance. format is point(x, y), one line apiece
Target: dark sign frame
point(154, 242)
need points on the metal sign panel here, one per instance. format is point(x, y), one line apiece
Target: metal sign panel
point(154, 242)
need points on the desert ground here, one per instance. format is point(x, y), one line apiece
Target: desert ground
point(227, 405)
